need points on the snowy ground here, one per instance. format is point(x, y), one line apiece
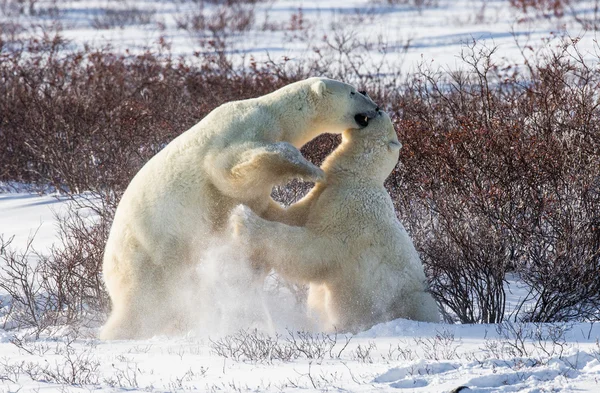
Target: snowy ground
point(399, 36)
point(399, 355)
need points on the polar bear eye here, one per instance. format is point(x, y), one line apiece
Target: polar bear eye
point(352, 93)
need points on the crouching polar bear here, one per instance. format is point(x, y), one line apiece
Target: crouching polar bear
point(348, 244)
point(182, 197)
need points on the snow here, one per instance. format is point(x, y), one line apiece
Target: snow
point(419, 360)
point(399, 36)
point(25, 216)
point(395, 356)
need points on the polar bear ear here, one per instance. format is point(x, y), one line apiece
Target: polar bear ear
point(319, 88)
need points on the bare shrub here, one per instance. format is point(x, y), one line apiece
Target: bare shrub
point(561, 255)
point(587, 15)
point(496, 176)
point(257, 347)
point(21, 279)
point(442, 346)
point(403, 350)
point(121, 14)
point(124, 377)
point(416, 3)
point(589, 21)
point(76, 126)
point(88, 120)
point(528, 345)
point(213, 25)
point(453, 158)
point(498, 172)
point(73, 270)
point(64, 286)
point(17, 7)
point(252, 346)
point(544, 8)
point(362, 353)
point(316, 345)
point(72, 366)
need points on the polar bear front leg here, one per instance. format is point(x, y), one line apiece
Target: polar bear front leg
point(253, 169)
point(278, 162)
point(295, 252)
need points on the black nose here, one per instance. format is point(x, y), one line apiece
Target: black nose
point(364, 93)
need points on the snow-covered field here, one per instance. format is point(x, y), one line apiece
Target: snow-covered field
point(393, 36)
point(398, 355)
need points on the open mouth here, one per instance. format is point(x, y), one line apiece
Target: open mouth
point(362, 119)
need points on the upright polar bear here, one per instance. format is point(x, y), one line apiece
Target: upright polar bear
point(182, 197)
point(360, 262)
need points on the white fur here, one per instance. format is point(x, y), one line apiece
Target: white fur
point(180, 200)
point(348, 244)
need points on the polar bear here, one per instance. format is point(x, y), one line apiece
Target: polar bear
point(347, 243)
point(180, 200)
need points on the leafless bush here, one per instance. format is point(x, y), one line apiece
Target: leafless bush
point(497, 176)
point(214, 25)
point(362, 353)
point(545, 8)
point(252, 346)
point(416, 3)
point(124, 377)
point(21, 278)
point(122, 14)
point(64, 286)
point(12, 8)
point(71, 366)
point(528, 345)
point(257, 347)
point(588, 17)
point(403, 350)
point(297, 25)
point(589, 21)
point(454, 172)
point(317, 345)
point(497, 172)
point(442, 346)
point(66, 122)
point(72, 271)
point(88, 120)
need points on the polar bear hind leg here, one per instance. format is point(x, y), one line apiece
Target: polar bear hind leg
point(142, 302)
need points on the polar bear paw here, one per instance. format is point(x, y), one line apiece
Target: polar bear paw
point(316, 175)
point(300, 166)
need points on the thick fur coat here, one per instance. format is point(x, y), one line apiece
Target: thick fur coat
point(179, 202)
point(345, 239)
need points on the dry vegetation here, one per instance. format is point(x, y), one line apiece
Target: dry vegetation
point(499, 171)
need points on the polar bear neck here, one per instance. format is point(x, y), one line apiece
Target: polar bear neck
point(354, 161)
point(295, 111)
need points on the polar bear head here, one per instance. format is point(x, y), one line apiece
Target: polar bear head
point(340, 106)
point(314, 106)
point(365, 153)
